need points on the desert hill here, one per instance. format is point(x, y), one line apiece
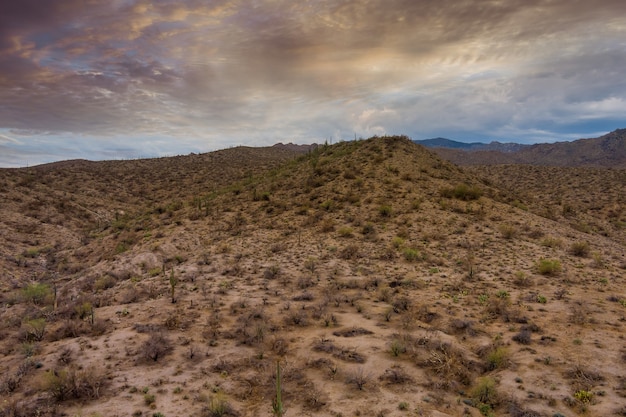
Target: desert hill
point(384, 280)
point(608, 151)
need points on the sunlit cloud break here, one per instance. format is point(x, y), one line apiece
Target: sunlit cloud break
point(124, 78)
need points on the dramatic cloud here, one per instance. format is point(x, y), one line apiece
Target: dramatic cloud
point(132, 78)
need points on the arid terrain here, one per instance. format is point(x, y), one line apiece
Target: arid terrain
point(607, 151)
point(382, 279)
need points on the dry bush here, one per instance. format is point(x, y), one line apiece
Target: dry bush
point(583, 379)
point(508, 231)
point(345, 354)
point(523, 337)
point(516, 410)
point(580, 249)
point(579, 313)
point(358, 378)
point(354, 331)
point(28, 408)
point(395, 376)
point(460, 326)
point(313, 398)
point(70, 328)
point(218, 407)
point(350, 252)
point(11, 382)
point(157, 346)
point(522, 280)
point(72, 383)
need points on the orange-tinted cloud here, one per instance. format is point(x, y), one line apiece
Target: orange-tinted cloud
point(269, 70)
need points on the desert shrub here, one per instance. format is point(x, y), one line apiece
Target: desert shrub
point(508, 231)
point(462, 192)
point(410, 254)
point(460, 326)
point(10, 382)
point(579, 313)
point(156, 346)
point(498, 358)
point(368, 229)
point(401, 304)
point(580, 249)
point(351, 332)
point(522, 280)
point(395, 375)
point(397, 347)
point(358, 378)
point(385, 210)
point(345, 354)
point(218, 407)
point(583, 379)
point(149, 399)
point(549, 267)
point(327, 225)
point(271, 272)
point(484, 392)
point(104, 283)
point(447, 362)
point(34, 329)
point(83, 310)
point(583, 396)
point(71, 383)
point(552, 242)
point(69, 329)
point(37, 293)
point(523, 337)
point(345, 232)
point(516, 410)
point(350, 252)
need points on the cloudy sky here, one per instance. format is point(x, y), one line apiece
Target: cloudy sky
point(110, 79)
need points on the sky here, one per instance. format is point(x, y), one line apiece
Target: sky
point(123, 79)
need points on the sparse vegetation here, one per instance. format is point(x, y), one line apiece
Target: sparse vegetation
point(549, 267)
point(212, 283)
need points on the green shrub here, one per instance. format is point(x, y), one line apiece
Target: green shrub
point(37, 293)
point(35, 329)
point(549, 267)
point(484, 392)
point(498, 358)
point(346, 232)
point(411, 254)
point(385, 210)
point(583, 396)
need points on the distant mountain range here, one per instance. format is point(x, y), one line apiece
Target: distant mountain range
point(606, 151)
point(473, 146)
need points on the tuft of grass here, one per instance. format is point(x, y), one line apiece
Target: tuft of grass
point(549, 267)
point(580, 249)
